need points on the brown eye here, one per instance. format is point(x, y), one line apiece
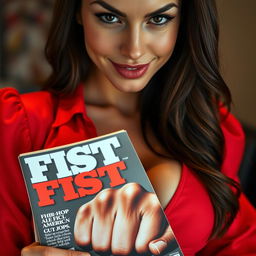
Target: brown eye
point(108, 18)
point(160, 20)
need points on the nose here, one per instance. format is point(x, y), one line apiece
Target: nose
point(133, 45)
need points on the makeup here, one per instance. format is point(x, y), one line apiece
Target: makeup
point(131, 71)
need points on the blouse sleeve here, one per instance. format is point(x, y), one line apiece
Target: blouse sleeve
point(15, 221)
point(240, 239)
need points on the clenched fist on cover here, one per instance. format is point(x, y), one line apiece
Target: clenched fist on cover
point(123, 221)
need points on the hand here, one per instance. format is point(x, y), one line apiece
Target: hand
point(121, 221)
point(37, 250)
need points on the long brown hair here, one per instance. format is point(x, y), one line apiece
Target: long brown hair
point(180, 103)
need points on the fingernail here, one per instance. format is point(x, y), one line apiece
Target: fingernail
point(159, 246)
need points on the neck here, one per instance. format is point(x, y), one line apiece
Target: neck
point(99, 91)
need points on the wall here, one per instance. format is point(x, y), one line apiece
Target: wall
point(238, 55)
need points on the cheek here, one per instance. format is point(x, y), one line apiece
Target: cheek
point(95, 41)
point(165, 43)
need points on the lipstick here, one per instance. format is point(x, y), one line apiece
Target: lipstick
point(131, 71)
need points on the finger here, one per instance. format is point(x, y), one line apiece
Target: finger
point(38, 250)
point(26, 251)
point(153, 224)
point(124, 232)
point(104, 215)
point(127, 219)
point(102, 233)
point(157, 246)
point(83, 226)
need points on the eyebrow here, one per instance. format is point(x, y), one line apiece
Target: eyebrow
point(108, 7)
point(119, 13)
point(162, 9)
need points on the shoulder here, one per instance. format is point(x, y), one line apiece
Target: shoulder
point(9, 99)
point(25, 115)
point(12, 110)
point(12, 99)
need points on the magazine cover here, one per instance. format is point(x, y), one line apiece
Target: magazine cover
point(95, 196)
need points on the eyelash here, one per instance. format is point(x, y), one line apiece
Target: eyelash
point(102, 18)
point(167, 18)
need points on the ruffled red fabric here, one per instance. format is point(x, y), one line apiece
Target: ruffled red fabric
point(15, 220)
point(40, 120)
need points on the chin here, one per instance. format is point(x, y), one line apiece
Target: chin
point(132, 88)
point(132, 85)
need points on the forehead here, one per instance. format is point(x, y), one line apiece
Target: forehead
point(134, 6)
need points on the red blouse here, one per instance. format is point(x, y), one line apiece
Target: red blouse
point(40, 120)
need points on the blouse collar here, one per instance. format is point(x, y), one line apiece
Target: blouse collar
point(70, 105)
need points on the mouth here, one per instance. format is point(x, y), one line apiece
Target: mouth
point(131, 71)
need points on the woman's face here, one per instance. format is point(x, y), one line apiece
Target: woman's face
point(129, 41)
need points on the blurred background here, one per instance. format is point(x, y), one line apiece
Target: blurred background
point(238, 65)
point(23, 30)
point(238, 54)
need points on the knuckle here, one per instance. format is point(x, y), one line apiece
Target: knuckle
point(105, 200)
point(105, 195)
point(153, 198)
point(153, 201)
point(85, 210)
point(131, 191)
point(83, 213)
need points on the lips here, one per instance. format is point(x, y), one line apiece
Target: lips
point(131, 71)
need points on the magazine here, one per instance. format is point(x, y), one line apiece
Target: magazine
point(79, 192)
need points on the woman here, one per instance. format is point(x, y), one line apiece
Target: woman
point(150, 67)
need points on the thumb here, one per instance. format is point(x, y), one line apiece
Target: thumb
point(37, 250)
point(158, 245)
point(51, 251)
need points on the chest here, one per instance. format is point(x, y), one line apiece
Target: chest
point(163, 173)
point(107, 120)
